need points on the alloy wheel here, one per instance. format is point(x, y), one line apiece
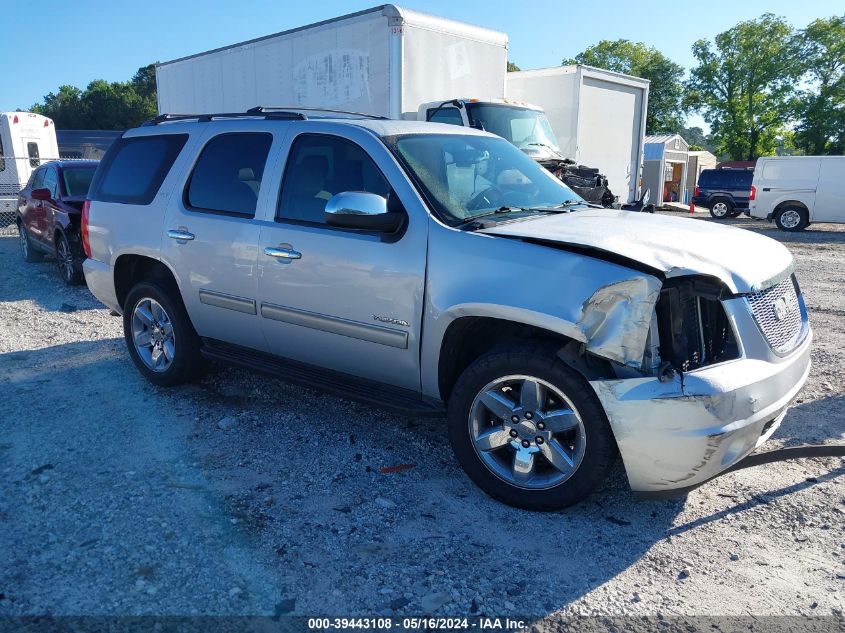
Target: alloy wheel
point(152, 335)
point(24, 241)
point(527, 432)
point(65, 257)
point(720, 209)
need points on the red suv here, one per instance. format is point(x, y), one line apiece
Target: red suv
point(49, 212)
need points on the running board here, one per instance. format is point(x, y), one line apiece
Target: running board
point(335, 382)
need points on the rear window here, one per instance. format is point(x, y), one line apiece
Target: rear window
point(34, 156)
point(134, 168)
point(725, 178)
point(77, 180)
point(227, 176)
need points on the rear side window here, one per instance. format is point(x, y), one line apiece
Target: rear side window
point(77, 180)
point(32, 152)
point(445, 115)
point(134, 168)
point(227, 176)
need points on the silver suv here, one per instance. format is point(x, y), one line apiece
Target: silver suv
point(440, 270)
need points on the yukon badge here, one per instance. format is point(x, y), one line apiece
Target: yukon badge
point(391, 320)
point(779, 308)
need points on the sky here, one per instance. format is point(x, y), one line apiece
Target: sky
point(77, 42)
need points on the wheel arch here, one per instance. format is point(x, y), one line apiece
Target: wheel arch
point(468, 337)
point(130, 269)
point(780, 206)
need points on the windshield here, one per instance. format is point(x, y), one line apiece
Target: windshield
point(466, 176)
point(521, 126)
point(77, 180)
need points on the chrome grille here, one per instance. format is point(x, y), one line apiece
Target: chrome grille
point(777, 311)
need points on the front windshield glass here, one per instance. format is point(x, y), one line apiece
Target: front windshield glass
point(77, 180)
point(466, 176)
point(521, 126)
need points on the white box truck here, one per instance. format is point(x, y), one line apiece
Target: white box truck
point(26, 140)
point(598, 117)
point(384, 61)
point(795, 191)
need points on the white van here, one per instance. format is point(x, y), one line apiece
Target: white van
point(26, 140)
point(795, 191)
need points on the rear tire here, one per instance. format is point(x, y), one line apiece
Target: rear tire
point(721, 208)
point(792, 219)
point(558, 451)
point(159, 335)
point(28, 251)
point(69, 256)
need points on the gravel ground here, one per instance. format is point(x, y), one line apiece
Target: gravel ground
point(243, 495)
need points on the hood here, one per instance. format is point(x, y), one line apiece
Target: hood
point(743, 260)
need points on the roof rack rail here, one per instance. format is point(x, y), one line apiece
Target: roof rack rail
point(204, 118)
point(294, 109)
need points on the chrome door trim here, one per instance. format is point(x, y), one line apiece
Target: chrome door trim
point(336, 325)
point(229, 302)
point(282, 252)
point(179, 234)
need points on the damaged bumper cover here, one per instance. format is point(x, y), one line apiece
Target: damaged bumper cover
point(678, 434)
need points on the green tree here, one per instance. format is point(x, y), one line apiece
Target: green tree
point(103, 105)
point(745, 83)
point(821, 108)
point(665, 107)
point(513, 67)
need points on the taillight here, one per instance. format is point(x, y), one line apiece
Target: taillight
point(86, 244)
point(753, 193)
point(697, 190)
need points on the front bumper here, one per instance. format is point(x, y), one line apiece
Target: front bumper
point(100, 280)
point(679, 434)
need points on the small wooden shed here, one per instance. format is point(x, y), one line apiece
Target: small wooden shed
point(665, 158)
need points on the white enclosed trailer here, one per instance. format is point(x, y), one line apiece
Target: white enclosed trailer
point(26, 140)
point(598, 118)
point(384, 61)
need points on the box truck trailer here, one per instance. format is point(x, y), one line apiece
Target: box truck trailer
point(598, 117)
point(26, 140)
point(384, 61)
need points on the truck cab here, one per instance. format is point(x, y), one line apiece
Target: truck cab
point(526, 126)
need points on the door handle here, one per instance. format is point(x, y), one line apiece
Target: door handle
point(178, 234)
point(767, 188)
point(282, 253)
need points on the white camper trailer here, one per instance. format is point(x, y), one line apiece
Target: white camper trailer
point(26, 140)
point(384, 61)
point(598, 117)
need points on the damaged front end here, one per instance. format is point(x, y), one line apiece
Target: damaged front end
point(717, 374)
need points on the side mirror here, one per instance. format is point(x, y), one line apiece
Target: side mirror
point(41, 194)
point(363, 211)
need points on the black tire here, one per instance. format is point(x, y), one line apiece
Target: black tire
point(721, 208)
point(186, 363)
point(792, 219)
point(69, 257)
point(538, 361)
point(29, 252)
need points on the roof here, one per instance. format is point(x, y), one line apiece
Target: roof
point(662, 138)
point(65, 164)
point(379, 127)
point(593, 71)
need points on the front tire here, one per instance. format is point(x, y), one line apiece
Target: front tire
point(28, 251)
point(69, 258)
point(792, 219)
point(528, 430)
point(159, 335)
